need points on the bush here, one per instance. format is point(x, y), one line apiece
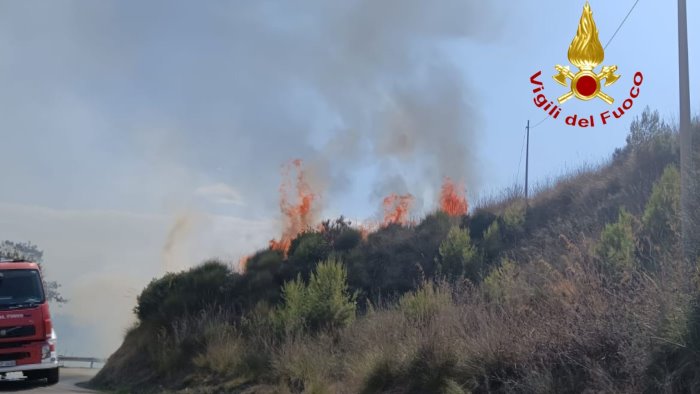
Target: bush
point(647, 128)
point(185, 293)
point(480, 222)
point(662, 214)
point(223, 350)
point(325, 303)
point(391, 261)
point(261, 281)
point(427, 238)
point(500, 282)
point(514, 218)
point(347, 239)
point(340, 234)
point(306, 365)
point(424, 303)
point(617, 244)
point(493, 241)
point(675, 368)
point(229, 354)
point(293, 316)
point(458, 256)
point(306, 251)
point(331, 303)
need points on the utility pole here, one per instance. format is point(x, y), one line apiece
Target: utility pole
point(527, 163)
point(687, 160)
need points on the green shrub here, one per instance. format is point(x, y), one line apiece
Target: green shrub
point(499, 284)
point(306, 251)
point(423, 304)
point(306, 365)
point(264, 261)
point(185, 293)
point(261, 281)
point(347, 240)
point(292, 317)
point(514, 218)
point(457, 255)
point(617, 244)
point(331, 303)
point(223, 351)
point(325, 303)
point(675, 366)
point(662, 214)
point(392, 260)
point(647, 128)
point(427, 238)
point(149, 302)
point(479, 222)
point(340, 234)
point(433, 368)
point(493, 241)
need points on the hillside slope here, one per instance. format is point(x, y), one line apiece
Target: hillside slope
point(583, 291)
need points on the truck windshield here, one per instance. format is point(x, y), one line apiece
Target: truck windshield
point(20, 288)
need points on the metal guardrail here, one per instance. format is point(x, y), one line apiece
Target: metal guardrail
point(91, 360)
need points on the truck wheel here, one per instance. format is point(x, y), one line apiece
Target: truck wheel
point(33, 375)
point(52, 376)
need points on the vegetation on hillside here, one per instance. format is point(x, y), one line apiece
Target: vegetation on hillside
point(583, 291)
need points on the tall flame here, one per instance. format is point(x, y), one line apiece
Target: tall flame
point(298, 213)
point(586, 52)
point(396, 209)
point(452, 199)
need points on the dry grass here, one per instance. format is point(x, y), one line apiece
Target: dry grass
point(567, 329)
point(547, 319)
point(564, 331)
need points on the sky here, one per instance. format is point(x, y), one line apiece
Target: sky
point(144, 137)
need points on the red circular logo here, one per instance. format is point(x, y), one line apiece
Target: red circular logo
point(587, 86)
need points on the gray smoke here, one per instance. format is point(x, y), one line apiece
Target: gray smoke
point(179, 91)
point(150, 107)
point(400, 104)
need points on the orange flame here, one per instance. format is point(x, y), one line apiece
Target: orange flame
point(298, 213)
point(396, 209)
point(452, 199)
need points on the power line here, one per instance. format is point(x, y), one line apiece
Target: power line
point(540, 122)
point(621, 24)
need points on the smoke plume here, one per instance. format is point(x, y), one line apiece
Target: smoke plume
point(142, 109)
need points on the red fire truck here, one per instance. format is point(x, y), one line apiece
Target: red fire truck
point(27, 337)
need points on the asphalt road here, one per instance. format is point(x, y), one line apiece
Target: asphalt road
point(69, 378)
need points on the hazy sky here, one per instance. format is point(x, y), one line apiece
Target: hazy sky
point(142, 136)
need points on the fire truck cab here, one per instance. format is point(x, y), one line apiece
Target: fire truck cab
point(27, 337)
